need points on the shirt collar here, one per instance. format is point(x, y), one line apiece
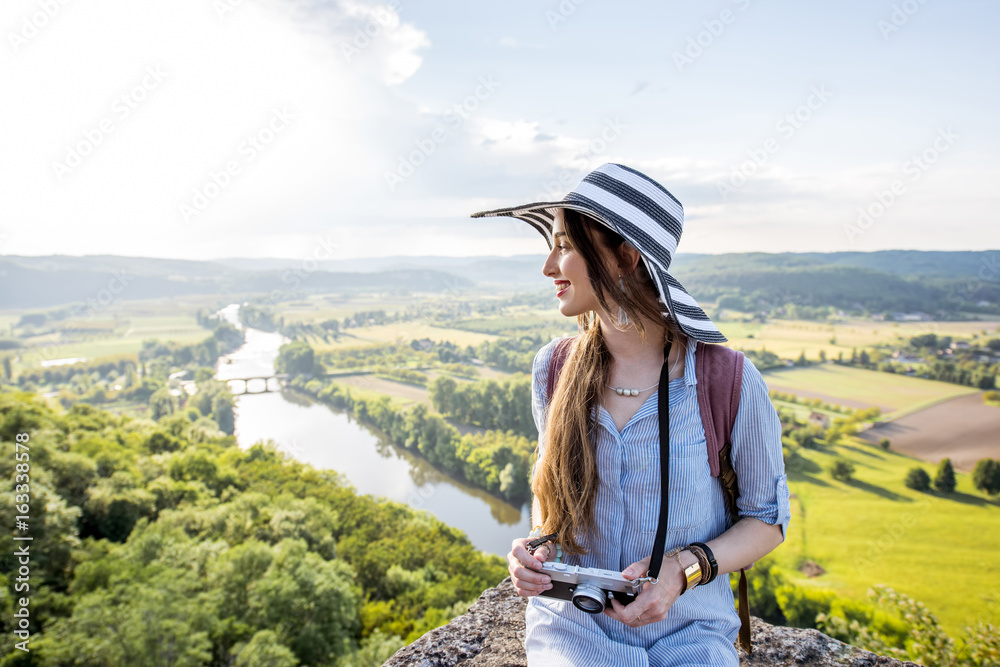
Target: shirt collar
point(689, 367)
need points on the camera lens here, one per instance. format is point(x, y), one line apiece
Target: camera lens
point(589, 599)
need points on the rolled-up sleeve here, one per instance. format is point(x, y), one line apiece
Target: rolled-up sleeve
point(757, 456)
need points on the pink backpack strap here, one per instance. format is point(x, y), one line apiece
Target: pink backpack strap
point(719, 370)
point(556, 362)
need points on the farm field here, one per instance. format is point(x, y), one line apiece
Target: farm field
point(126, 339)
point(407, 331)
point(858, 387)
point(319, 308)
point(405, 394)
point(874, 530)
point(125, 324)
point(789, 338)
point(963, 429)
point(802, 411)
point(408, 394)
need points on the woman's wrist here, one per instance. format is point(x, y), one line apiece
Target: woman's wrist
point(709, 566)
point(688, 566)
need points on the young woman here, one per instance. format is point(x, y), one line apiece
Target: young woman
point(597, 478)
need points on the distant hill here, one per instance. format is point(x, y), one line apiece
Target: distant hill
point(890, 280)
point(37, 282)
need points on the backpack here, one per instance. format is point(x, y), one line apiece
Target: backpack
point(719, 370)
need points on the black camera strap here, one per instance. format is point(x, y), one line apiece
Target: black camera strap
point(659, 542)
point(663, 408)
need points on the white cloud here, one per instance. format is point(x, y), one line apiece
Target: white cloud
point(222, 80)
point(377, 32)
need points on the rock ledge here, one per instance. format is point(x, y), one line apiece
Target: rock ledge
point(491, 634)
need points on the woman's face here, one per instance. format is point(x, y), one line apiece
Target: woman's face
point(569, 272)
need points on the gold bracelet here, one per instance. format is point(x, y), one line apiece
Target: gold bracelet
point(692, 573)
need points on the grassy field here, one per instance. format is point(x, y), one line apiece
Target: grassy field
point(119, 329)
point(802, 411)
point(319, 308)
point(874, 530)
point(857, 387)
point(789, 338)
point(126, 338)
point(407, 331)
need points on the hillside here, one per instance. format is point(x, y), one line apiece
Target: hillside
point(897, 280)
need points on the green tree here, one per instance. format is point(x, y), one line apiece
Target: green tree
point(885, 443)
point(264, 650)
point(296, 358)
point(513, 481)
point(986, 476)
point(945, 479)
point(162, 403)
point(375, 650)
point(842, 470)
point(918, 480)
point(441, 390)
point(308, 601)
point(145, 615)
point(224, 412)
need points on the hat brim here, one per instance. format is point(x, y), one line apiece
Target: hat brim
point(681, 306)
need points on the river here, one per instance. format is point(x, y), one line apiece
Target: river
point(317, 434)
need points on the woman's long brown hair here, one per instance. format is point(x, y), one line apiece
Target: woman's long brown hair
point(566, 480)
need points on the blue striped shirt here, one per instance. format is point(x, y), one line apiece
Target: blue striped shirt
point(702, 625)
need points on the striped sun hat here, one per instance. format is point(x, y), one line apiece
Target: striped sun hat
point(646, 215)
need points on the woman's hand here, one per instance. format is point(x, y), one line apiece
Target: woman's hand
point(525, 569)
point(654, 600)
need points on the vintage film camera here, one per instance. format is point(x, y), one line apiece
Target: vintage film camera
point(588, 588)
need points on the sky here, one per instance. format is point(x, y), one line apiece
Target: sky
point(203, 129)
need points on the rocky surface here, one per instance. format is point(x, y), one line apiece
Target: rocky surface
point(492, 634)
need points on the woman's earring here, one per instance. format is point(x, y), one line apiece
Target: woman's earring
point(623, 319)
